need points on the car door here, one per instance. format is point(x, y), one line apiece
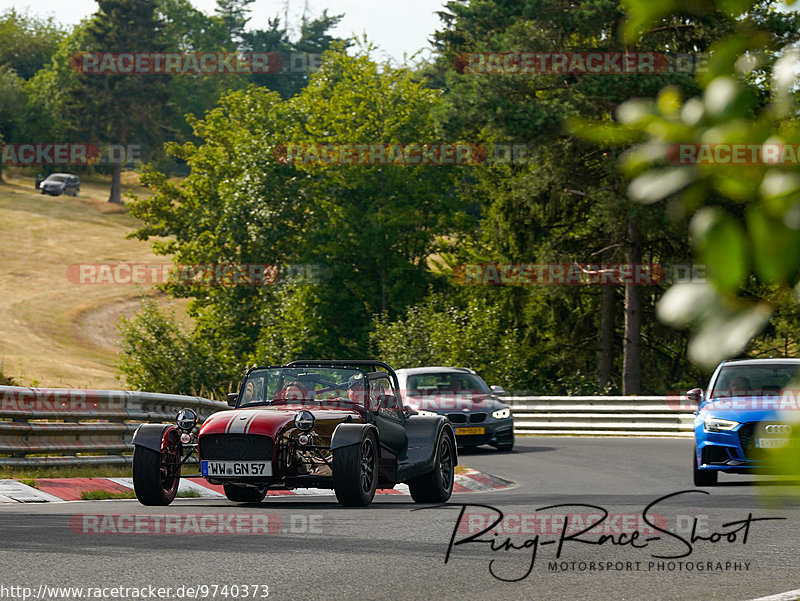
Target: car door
point(385, 407)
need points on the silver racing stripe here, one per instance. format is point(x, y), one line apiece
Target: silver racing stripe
point(240, 424)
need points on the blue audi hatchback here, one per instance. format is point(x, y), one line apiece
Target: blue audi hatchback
point(745, 417)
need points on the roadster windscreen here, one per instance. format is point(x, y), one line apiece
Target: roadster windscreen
point(278, 385)
point(755, 380)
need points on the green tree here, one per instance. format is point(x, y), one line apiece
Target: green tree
point(234, 15)
point(372, 226)
point(567, 202)
point(376, 224)
point(157, 355)
point(120, 108)
point(741, 215)
point(440, 332)
point(27, 43)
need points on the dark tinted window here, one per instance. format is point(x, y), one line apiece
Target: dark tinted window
point(754, 379)
point(446, 381)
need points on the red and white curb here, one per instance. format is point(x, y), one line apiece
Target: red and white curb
point(71, 489)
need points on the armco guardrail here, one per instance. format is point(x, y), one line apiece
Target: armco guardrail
point(40, 427)
point(601, 415)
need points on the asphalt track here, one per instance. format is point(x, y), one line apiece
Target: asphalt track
point(392, 551)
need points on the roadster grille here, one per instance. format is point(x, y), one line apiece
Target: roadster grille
point(245, 447)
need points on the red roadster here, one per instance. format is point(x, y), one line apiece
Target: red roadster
point(320, 424)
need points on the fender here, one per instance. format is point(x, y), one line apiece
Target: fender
point(423, 433)
point(150, 436)
point(346, 435)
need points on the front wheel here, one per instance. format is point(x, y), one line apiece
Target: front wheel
point(355, 472)
point(156, 475)
point(244, 494)
point(703, 477)
point(437, 485)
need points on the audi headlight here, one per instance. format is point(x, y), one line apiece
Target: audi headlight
point(501, 413)
point(715, 424)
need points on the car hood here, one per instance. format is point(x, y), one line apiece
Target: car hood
point(454, 401)
point(751, 409)
point(273, 421)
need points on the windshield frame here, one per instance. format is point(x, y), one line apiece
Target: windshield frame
point(281, 385)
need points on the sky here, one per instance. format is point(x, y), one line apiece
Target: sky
point(396, 26)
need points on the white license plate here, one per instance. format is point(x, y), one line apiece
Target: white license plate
point(231, 469)
point(775, 443)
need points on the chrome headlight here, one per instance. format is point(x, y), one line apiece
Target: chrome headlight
point(428, 413)
point(715, 424)
point(304, 420)
point(501, 413)
point(187, 420)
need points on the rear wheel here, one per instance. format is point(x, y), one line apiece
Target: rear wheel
point(244, 494)
point(437, 485)
point(156, 475)
point(355, 472)
point(703, 477)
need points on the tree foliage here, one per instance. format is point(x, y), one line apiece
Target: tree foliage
point(741, 215)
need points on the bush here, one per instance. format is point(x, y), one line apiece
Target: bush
point(157, 356)
point(440, 332)
point(7, 380)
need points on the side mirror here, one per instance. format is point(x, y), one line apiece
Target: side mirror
point(232, 396)
point(695, 395)
point(498, 389)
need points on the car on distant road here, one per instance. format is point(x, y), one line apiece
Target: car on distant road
point(60, 183)
point(476, 411)
point(742, 421)
point(307, 424)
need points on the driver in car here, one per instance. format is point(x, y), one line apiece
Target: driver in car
point(355, 386)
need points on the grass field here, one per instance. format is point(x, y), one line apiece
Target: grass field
point(53, 332)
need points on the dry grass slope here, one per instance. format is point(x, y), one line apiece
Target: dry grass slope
point(53, 332)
